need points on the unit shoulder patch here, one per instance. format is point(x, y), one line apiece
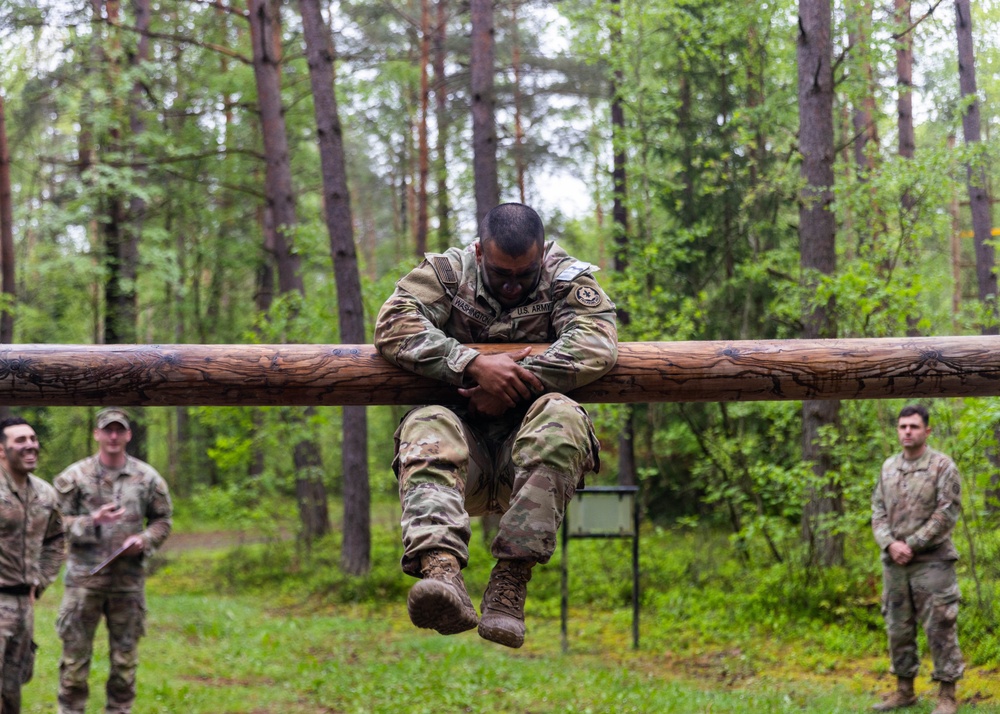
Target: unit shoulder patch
point(586, 295)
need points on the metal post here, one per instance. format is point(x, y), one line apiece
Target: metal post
point(564, 600)
point(635, 573)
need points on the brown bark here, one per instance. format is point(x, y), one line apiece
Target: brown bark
point(8, 289)
point(817, 235)
point(265, 36)
point(979, 201)
point(121, 250)
point(484, 132)
point(423, 152)
point(441, 117)
point(356, 549)
point(904, 80)
point(646, 372)
point(619, 222)
point(519, 157)
point(865, 127)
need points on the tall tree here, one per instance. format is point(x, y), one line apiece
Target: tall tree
point(423, 152)
point(441, 119)
point(817, 246)
point(484, 132)
point(265, 36)
point(7, 280)
point(619, 223)
point(356, 551)
point(904, 85)
point(979, 200)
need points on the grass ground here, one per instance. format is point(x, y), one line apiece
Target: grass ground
point(278, 651)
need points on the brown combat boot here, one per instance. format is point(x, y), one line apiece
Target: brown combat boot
point(503, 603)
point(947, 700)
point(440, 601)
point(902, 697)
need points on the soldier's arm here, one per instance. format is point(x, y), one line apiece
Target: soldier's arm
point(946, 511)
point(159, 515)
point(586, 345)
point(408, 330)
point(53, 552)
point(77, 523)
point(880, 519)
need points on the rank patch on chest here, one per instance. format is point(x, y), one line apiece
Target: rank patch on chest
point(588, 296)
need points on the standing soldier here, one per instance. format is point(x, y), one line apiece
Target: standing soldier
point(31, 551)
point(117, 508)
point(517, 446)
point(915, 506)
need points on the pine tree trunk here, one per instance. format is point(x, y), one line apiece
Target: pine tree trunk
point(619, 221)
point(8, 290)
point(441, 117)
point(979, 201)
point(484, 132)
point(817, 235)
point(280, 217)
point(356, 551)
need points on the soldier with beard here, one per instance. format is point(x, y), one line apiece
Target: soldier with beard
point(31, 551)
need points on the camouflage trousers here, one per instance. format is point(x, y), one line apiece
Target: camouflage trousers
point(926, 593)
point(17, 623)
point(125, 616)
point(526, 468)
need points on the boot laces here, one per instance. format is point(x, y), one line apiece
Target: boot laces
point(510, 587)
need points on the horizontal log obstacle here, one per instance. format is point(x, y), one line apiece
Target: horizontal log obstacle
point(720, 371)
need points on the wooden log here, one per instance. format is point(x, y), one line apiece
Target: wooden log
point(268, 375)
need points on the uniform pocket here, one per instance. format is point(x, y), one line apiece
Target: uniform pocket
point(28, 662)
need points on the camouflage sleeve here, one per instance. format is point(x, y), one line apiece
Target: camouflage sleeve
point(586, 345)
point(159, 513)
point(79, 526)
point(408, 331)
point(880, 518)
point(53, 551)
point(946, 511)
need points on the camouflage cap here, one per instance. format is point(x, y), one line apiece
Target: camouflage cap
point(112, 415)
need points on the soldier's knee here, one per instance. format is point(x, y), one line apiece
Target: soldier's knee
point(558, 431)
point(431, 447)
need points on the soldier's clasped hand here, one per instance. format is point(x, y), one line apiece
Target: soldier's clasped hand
point(501, 376)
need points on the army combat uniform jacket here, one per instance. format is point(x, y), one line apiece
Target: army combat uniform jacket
point(31, 534)
point(86, 486)
point(918, 502)
point(441, 306)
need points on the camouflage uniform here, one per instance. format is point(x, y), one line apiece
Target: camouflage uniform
point(919, 502)
point(525, 464)
point(31, 551)
point(118, 591)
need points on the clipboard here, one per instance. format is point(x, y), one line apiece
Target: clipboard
point(107, 561)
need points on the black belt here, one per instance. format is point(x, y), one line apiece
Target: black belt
point(15, 589)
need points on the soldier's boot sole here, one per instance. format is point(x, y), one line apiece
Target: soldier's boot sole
point(502, 629)
point(895, 702)
point(435, 605)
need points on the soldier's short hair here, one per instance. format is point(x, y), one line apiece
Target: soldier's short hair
point(911, 409)
point(9, 421)
point(513, 227)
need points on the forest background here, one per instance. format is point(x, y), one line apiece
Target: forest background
point(207, 172)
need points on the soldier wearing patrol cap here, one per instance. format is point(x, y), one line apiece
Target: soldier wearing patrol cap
point(517, 446)
point(117, 511)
